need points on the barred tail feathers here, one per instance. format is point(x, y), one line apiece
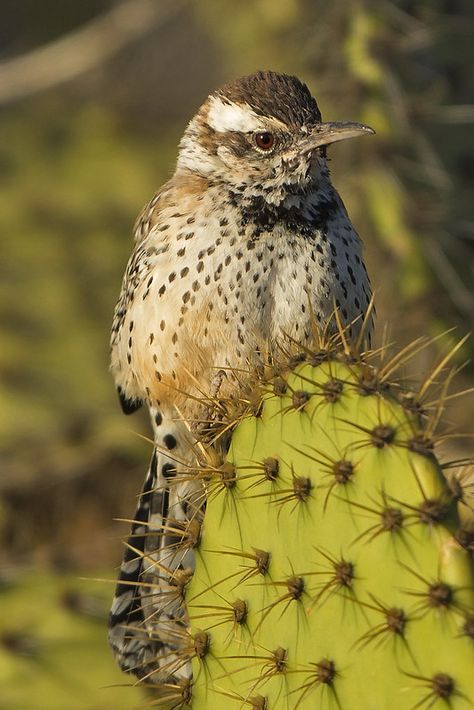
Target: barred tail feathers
point(147, 623)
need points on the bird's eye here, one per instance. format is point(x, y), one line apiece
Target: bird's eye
point(265, 140)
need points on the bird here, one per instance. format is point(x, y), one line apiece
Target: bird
point(245, 245)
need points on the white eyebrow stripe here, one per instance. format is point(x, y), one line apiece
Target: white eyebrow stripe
point(228, 116)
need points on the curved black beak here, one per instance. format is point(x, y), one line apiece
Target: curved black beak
point(333, 131)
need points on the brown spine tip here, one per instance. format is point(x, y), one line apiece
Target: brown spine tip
point(271, 468)
point(301, 487)
point(421, 444)
point(325, 671)
point(382, 435)
point(300, 398)
point(465, 538)
point(396, 620)
point(368, 382)
point(257, 407)
point(442, 685)
point(432, 511)
point(392, 519)
point(193, 532)
point(319, 357)
point(180, 579)
point(343, 471)
point(240, 611)
point(279, 386)
point(344, 573)
point(295, 586)
point(456, 488)
point(258, 702)
point(440, 595)
point(332, 390)
point(185, 691)
point(280, 656)
point(347, 358)
point(468, 627)
point(410, 403)
point(202, 642)
point(296, 360)
point(262, 561)
point(228, 475)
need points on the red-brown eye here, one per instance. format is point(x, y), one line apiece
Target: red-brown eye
point(265, 140)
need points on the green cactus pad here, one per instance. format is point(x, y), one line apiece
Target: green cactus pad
point(328, 573)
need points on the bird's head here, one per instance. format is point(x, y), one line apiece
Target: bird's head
point(262, 136)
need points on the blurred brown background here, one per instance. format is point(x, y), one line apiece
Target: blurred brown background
point(94, 96)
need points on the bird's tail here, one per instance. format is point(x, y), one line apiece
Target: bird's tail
point(147, 623)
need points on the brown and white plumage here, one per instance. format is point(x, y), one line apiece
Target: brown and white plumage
point(245, 243)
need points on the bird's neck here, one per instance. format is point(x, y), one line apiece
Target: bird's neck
point(315, 205)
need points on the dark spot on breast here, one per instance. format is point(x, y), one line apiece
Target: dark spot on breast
point(169, 441)
point(168, 470)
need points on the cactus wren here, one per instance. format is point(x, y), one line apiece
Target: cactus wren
point(248, 241)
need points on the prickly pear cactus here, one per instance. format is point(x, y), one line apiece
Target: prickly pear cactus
point(330, 571)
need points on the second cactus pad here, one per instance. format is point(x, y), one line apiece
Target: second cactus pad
point(329, 572)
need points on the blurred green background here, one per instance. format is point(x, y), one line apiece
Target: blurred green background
point(94, 96)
